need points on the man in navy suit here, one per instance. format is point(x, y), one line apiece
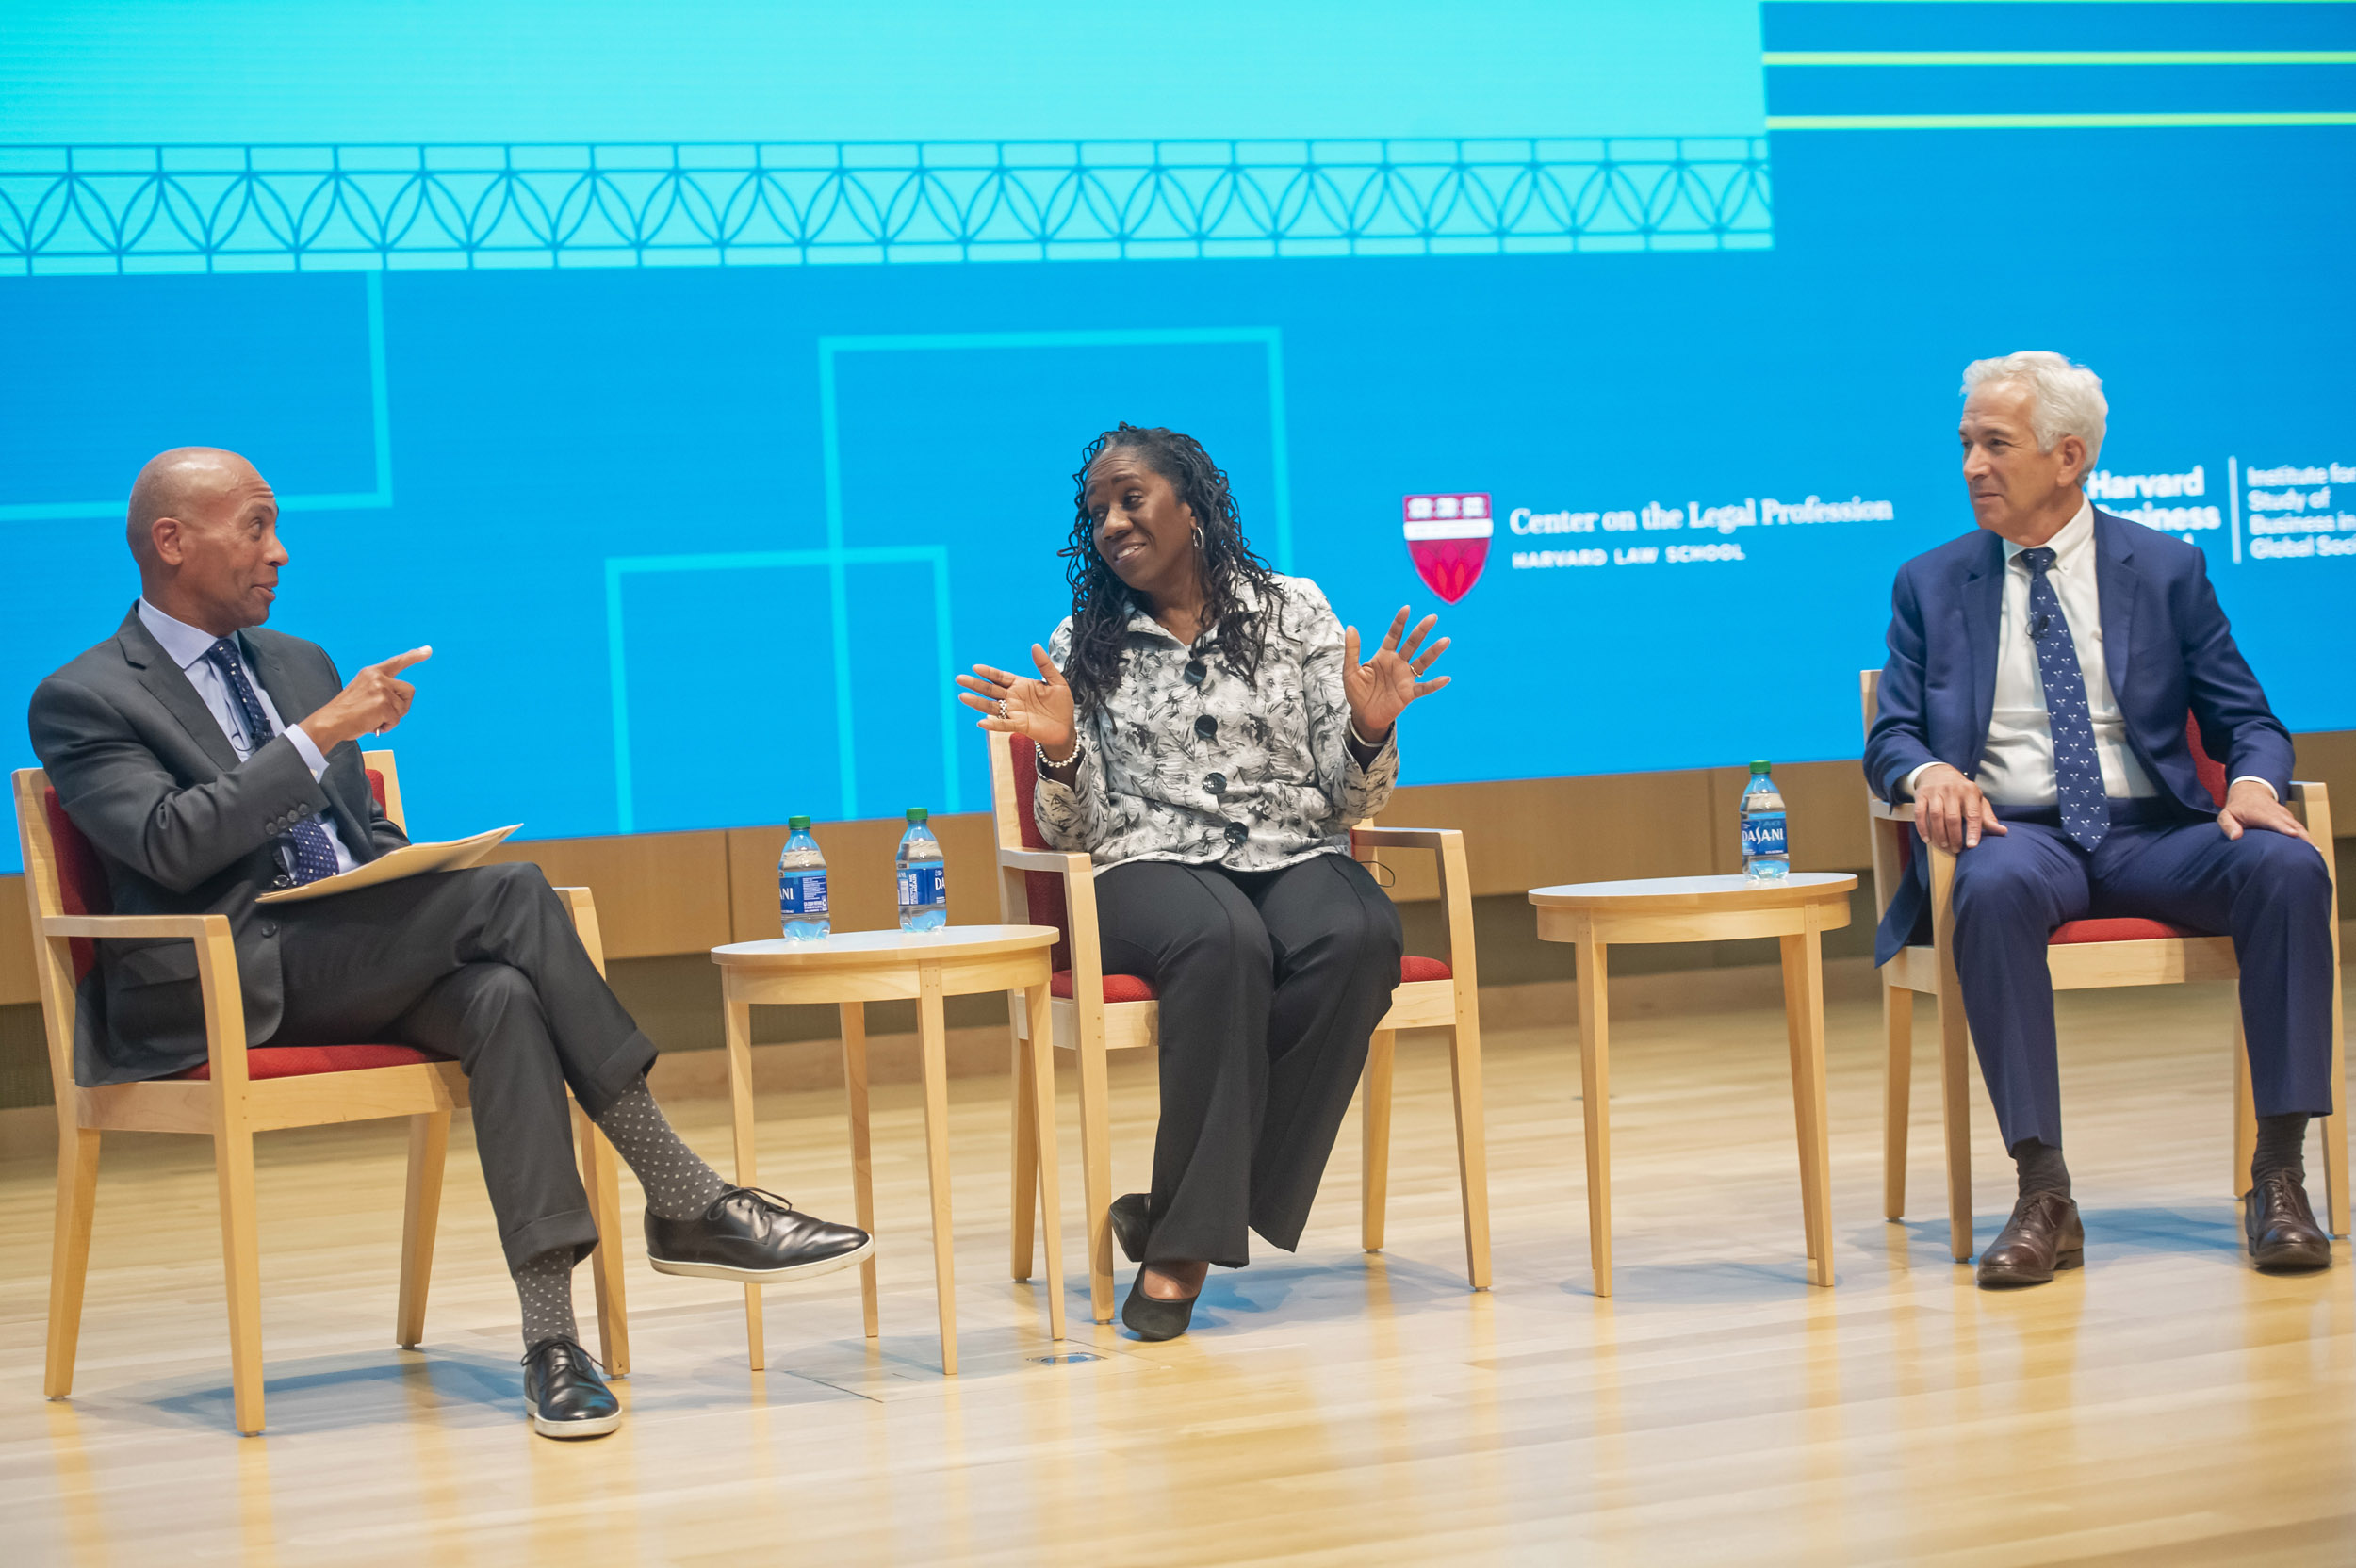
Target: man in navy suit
point(2034, 707)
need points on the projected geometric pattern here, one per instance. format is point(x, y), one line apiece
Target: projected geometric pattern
point(201, 208)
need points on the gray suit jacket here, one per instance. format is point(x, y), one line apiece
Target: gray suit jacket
point(183, 828)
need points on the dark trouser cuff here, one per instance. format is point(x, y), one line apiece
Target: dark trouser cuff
point(574, 1231)
point(613, 1077)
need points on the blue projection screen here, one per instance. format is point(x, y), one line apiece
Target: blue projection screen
point(705, 425)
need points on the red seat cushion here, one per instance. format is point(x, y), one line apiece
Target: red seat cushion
point(1128, 987)
point(302, 1061)
point(1118, 988)
point(2130, 930)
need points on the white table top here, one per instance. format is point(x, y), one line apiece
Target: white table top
point(1733, 892)
point(872, 947)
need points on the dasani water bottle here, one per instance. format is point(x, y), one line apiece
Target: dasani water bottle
point(924, 880)
point(802, 884)
point(1765, 855)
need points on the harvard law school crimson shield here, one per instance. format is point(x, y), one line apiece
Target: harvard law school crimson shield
point(1449, 536)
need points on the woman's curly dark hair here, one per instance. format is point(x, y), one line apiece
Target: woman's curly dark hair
point(1100, 601)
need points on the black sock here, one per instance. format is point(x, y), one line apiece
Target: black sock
point(2281, 1145)
point(2041, 1169)
point(545, 1285)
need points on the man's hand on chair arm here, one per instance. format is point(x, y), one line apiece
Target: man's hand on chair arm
point(1949, 810)
point(2251, 804)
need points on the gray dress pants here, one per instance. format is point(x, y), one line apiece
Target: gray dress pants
point(481, 965)
point(1271, 984)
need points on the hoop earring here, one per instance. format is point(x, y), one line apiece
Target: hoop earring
point(1198, 536)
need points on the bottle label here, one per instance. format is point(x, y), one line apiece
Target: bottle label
point(802, 893)
point(1762, 834)
point(922, 886)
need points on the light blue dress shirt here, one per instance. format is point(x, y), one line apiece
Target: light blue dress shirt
point(186, 647)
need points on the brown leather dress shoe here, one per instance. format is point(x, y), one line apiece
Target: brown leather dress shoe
point(2282, 1227)
point(2042, 1236)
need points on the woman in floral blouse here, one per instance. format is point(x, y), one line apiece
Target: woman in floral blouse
point(1206, 731)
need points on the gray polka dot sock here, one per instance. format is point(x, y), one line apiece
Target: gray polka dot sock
point(545, 1284)
point(678, 1186)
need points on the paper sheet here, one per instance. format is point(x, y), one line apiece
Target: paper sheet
point(408, 860)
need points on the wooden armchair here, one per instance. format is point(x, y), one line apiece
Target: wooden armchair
point(238, 1092)
point(2082, 954)
point(1094, 1012)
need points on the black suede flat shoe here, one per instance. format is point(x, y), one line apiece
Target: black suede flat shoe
point(1131, 1224)
point(1152, 1318)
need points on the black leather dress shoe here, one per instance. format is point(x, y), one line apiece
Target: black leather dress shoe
point(2042, 1236)
point(2282, 1227)
point(1152, 1318)
point(563, 1394)
point(754, 1236)
point(1130, 1225)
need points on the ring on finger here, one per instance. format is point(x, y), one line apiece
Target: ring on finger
point(1001, 709)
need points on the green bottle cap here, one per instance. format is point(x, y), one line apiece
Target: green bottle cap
point(798, 825)
point(916, 813)
point(1759, 767)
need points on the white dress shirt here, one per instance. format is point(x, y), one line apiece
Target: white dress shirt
point(186, 647)
point(2017, 764)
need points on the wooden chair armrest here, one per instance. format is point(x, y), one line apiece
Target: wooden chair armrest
point(581, 904)
point(188, 927)
point(2313, 802)
point(1056, 862)
point(2304, 790)
point(1883, 810)
point(1403, 837)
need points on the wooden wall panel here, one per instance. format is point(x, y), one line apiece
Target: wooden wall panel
point(656, 892)
point(1526, 833)
point(17, 983)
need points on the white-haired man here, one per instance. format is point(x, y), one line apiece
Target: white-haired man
point(2033, 707)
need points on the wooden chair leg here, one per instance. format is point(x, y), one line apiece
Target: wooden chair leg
point(1897, 1094)
point(2244, 1113)
point(233, 1162)
point(1025, 1197)
point(1041, 1065)
point(1472, 1140)
point(1955, 1101)
point(601, 1176)
point(429, 1148)
point(2335, 1127)
point(68, 1253)
point(1375, 1169)
point(1096, 1175)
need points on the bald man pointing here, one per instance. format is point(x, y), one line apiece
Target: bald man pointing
point(210, 762)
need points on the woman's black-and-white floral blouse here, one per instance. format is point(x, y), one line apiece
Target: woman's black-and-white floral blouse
point(1186, 760)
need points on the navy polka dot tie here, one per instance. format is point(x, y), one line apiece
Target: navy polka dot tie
point(2085, 810)
point(314, 855)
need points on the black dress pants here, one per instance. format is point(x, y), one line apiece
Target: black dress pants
point(482, 964)
point(1270, 984)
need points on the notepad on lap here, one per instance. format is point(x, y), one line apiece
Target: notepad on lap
point(408, 860)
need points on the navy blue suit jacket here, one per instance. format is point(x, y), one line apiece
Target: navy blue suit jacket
point(2165, 641)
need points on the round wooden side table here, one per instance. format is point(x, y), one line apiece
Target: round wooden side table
point(851, 970)
point(1595, 915)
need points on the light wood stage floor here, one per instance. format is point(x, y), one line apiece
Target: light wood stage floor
point(2166, 1406)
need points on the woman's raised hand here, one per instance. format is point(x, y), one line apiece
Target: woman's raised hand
point(1380, 689)
point(1018, 705)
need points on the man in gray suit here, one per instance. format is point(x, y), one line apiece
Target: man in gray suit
point(170, 747)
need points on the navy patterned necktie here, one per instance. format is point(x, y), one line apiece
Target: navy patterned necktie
point(2085, 810)
point(314, 855)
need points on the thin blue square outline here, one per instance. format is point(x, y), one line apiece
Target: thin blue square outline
point(1271, 340)
point(381, 431)
point(618, 567)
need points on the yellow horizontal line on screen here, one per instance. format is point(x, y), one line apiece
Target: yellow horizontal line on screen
point(2052, 121)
